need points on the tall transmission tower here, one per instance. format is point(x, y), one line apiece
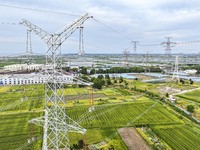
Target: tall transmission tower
point(135, 44)
point(81, 46)
point(168, 44)
point(55, 122)
point(29, 51)
point(176, 69)
point(28, 43)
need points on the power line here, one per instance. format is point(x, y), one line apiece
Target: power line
point(150, 45)
point(38, 10)
point(115, 31)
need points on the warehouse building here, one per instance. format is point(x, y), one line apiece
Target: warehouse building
point(20, 79)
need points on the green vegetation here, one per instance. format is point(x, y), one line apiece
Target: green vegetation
point(179, 137)
point(14, 130)
point(122, 103)
point(192, 96)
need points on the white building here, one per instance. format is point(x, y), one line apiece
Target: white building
point(21, 67)
point(20, 79)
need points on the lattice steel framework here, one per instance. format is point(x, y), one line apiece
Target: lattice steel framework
point(81, 45)
point(126, 53)
point(168, 44)
point(176, 69)
point(135, 44)
point(55, 122)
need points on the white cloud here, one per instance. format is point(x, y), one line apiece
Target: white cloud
point(145, 20)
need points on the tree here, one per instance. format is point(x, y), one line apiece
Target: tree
point(107, 76)
point(190, 108)
point(115, 81)
point(121, 79)
point(92, 71)
point(167, 94)
point(191, 82)
point(108, 82)
point(126, 84)
point(83, 70)
point(97, 83)
point(100, 76)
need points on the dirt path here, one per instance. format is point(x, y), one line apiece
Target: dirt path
point(185, 91)
point(132, 139)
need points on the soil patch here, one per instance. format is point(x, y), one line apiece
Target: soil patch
point(132, 139)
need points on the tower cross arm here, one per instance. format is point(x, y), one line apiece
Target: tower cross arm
point(65, 32)
point(42, 34)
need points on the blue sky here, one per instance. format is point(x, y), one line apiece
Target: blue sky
point(146, 21)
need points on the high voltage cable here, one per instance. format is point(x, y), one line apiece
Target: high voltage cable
point(39, 10)
point(112, 29)
point(150, 45)
point(189, 42)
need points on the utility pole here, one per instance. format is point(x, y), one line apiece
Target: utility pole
point(168, 44)
point(81, 46)
point(56, 124)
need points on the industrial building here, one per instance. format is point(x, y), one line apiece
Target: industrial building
point(22, 67)
point(20, 79)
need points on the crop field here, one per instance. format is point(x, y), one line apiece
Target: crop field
point(21, 97)
point(14, 130)
point(95, 136)
point(181, 137)
point(192, 96)
point(120, 115)
point(115, 107)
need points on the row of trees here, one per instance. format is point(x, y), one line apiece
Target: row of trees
point(100, 81)
point(85, 71)
point(128, 70)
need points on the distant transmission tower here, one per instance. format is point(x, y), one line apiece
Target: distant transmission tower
point(55, 122)
point(168, 45)
point(126, 53)
point(135, 44)
point(81, 46)
point(147, 68)
point(176, 69)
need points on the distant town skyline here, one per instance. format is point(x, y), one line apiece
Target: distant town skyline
point(116, 23)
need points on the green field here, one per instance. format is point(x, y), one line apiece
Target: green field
point(115, 107)
point(192, 96)
point(181, 137)
point(14, 131)
point(120, 115)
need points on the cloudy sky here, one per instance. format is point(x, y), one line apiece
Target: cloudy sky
point(116, 23)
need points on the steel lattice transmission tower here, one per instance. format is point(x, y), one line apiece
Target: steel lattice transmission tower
point(135, 44)
point(176, 69)
point(28, 43)
point(126, 53)
point(81, 46)
point(29, 51)
point(168, 44)
point(55, 122)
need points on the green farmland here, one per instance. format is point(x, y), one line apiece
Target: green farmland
point(115, 107)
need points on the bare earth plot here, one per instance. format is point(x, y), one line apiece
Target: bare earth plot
point(132, 139)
